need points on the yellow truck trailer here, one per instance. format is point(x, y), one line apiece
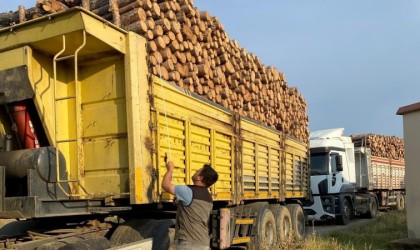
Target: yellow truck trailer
point(85, 130)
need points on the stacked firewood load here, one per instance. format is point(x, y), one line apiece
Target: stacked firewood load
point(390, 147)
point(191, 49)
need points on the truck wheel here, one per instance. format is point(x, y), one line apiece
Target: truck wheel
point(283, 223)
point(266, 231)
point(163, 235)
point(88, 244)
point(400, 202)
point(344, 217)
point(298, 221)
point(132, 231)
point(77, 243)
point(373, 208)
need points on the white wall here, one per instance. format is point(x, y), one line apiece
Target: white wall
point(411, 121)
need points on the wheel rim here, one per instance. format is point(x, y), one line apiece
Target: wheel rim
point(286, 229)
point(301, 224)
point(346, 209)
point(269, 233)
point(373, 208)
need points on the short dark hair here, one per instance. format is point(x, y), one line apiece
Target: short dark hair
point(209, 175)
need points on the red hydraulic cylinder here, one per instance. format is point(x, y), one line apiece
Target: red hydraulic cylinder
point(24, 126)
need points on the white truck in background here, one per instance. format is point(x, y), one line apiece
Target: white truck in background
point(349, 181)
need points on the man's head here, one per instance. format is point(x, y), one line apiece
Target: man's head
point(205, 175)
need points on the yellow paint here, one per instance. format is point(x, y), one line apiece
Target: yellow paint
point(241, 240)
point(244, 221)
point(15, 57)
point(129, 124)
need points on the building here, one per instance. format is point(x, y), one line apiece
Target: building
point(411, 121)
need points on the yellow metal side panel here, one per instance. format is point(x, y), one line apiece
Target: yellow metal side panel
point(41, 77)
point(114, 38)
point(263, 171)
point(178, 103)
point(198, 133)
point(105, 172)
point(141, 168)
point(33, 32)
point(261, 158)
point(297, 169)
point(14, 58)
point(172, 143)
point(199, 147)
point(275, 172)
point(223, 165)
point(101, 80)
point(104, 119)
point(249, 175)
point(260, 134)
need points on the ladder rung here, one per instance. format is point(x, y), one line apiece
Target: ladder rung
point(65, 98)
point(64, 58)
point(69, 140)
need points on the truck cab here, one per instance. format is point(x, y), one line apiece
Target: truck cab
point(336, 176)
point(333, 180)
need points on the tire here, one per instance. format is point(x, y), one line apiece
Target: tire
point(298, 221)
point(400, 202)
point(76, 243)
point(59, 243)
point(344, 217)
point(373, 208)
point(132, 231)
point(89, 244)
point(266, 231)
point(283, 223)
point(163, 235)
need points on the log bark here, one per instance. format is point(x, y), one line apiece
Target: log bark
point(85, 4)
point(114, 9)
point(22, 14)
point(191, 48)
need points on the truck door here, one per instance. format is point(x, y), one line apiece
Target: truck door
point(335, 179)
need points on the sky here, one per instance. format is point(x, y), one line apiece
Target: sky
point(355, 62)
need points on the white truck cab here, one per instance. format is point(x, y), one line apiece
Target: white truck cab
point(333, 177)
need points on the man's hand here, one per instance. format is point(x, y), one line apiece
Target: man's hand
point(167, 178)
point(170, 166)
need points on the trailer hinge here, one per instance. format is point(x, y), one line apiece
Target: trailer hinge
point(152, 126)
point(151, 98)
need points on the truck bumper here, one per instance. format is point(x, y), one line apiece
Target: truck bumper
point(317, 211)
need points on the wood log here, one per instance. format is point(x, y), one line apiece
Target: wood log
point(22, 14)
point(192, 49)
point(164, 23)
point(139, 27)
point(85, 4)
point(114, 9)
point(133, 16)
point(93, 4)
point(8, 18)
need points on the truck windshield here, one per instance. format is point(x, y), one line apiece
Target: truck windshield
point(319, 163)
